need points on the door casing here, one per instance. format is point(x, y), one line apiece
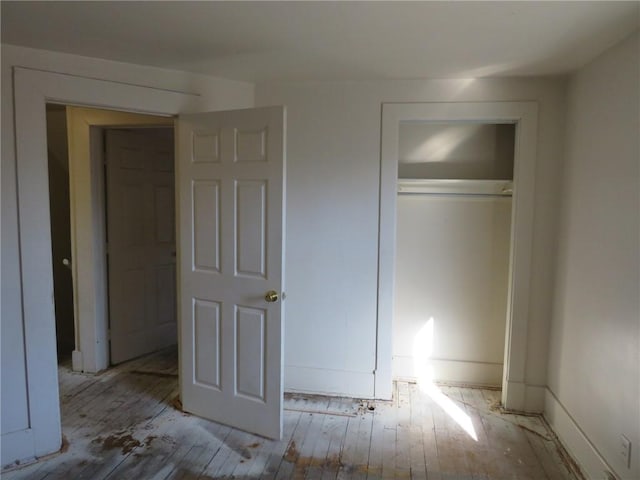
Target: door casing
point(32, 90)
point(516, 394)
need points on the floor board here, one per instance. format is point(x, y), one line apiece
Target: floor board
point(123, 424)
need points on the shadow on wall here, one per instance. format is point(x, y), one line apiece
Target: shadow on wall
point(60, 227)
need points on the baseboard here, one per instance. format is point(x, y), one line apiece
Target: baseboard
point(77, 361)
point(328, 382)
point(573, 439)
point(458, 371)
point(521, 397)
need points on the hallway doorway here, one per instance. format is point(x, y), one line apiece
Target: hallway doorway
point(123, 245)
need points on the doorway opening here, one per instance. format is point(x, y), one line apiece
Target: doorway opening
point(453, 211)
point(122, 246)
point(249, 127)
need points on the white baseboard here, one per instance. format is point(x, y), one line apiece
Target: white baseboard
point(592, 464)
point(458, 371)
point(521, 397)
point(76, 361)
point(328, 382)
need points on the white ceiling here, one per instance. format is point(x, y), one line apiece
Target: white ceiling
point(269, 41)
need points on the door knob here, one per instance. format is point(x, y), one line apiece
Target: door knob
point(271, 296)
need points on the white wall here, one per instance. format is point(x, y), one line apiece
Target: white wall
point(333, 173)
point(215, 94)
point(594, 357)
point(471, 150)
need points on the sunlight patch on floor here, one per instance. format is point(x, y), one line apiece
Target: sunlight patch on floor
point(422, 351)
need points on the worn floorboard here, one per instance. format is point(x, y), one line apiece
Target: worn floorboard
point(123, 424)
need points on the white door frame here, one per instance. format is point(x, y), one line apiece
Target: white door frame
point(88, 249)
point(524, 115)
point(32, 90)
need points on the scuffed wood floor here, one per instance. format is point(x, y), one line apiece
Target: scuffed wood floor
point(123, 424)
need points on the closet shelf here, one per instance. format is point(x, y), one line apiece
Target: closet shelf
point(456, 187)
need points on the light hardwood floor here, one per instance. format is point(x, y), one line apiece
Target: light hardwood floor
point(123, 424)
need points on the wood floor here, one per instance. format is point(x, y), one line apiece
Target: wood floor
point(123, 424)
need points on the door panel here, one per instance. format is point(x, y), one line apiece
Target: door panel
point(165, 276)
point(206, 214)
point(231, 183)
point(164, 201)
point(141, 238)
point(131, 289)
point(206, 342)
point(250, 228)
point(250, 329)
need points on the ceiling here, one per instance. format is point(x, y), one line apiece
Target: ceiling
point(281, 41)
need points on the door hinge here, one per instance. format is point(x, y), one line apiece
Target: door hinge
point(108, 334)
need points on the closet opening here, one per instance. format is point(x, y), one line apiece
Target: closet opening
point(453, 251)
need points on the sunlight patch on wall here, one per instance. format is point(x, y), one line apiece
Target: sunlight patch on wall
point(440, 146)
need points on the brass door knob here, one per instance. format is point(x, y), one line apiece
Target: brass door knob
point(271, 296)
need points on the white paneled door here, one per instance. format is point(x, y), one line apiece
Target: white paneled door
point(231, 223)
point(141, 241)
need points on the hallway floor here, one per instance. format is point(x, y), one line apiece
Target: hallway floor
point(126, 424)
